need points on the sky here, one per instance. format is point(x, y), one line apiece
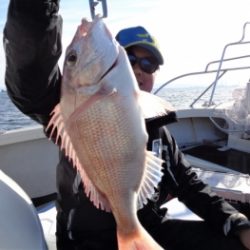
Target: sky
point(190, 33)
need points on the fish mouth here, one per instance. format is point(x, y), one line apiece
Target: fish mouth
point(85, 27)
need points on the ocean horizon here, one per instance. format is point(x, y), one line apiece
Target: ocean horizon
point(180, 97)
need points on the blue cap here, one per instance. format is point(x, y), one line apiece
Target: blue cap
point(139, 36)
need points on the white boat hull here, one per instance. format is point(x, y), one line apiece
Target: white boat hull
point(29, 158)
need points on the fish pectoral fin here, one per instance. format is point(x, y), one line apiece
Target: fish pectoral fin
point(152, 105)
point(151, 179)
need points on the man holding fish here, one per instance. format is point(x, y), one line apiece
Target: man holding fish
point(115, 170)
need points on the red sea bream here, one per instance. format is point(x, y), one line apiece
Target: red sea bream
point(101, 126)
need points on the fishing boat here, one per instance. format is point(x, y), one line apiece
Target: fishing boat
point(213, 134)
point(215, 140)
point(217, 133)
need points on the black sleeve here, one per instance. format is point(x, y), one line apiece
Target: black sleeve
point(183, 183)
point(32, 43)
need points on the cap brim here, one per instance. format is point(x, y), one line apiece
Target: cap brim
point(155, 52)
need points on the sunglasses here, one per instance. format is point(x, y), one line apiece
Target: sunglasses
point(146, 64)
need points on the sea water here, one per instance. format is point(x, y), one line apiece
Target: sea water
point(11, 118)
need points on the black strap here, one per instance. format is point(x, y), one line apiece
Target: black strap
point(38, 201)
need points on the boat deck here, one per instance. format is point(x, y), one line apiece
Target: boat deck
point(230, 158)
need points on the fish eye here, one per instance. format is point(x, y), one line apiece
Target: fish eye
point(71, 58)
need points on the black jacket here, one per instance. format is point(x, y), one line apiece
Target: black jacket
point(32, 40)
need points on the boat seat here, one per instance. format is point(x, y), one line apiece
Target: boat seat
point(178, 210)
point(47, 216)
point(20, 225)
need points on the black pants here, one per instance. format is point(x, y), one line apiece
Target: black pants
point(192, 235)
point(171, 235)
point(83, 240)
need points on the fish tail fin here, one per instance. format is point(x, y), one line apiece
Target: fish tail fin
point(138, 240)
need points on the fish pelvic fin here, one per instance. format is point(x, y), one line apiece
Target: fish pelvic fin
point(62, 139)
point(151, 178)
point(152, 105)
point(139, 239)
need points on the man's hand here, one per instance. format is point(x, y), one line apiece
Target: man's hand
point(37, 9)
point(244, 236)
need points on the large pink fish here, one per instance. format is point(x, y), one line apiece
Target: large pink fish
point(101, 125)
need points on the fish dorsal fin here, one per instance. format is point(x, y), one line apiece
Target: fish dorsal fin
point(56, 123)
point(152, 105)
point(151, 179)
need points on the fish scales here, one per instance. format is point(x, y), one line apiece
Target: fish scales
point(109, 144)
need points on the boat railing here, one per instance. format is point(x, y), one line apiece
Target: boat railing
point(219, 72)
